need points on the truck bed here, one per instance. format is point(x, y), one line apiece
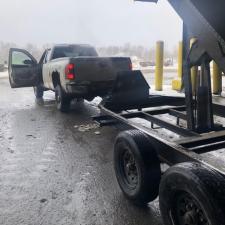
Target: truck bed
point(99, 69)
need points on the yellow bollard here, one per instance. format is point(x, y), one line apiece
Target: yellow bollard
point(217, 80)
point(180, 59)
point(177, 83)
point(159, 66)
point(194, 70)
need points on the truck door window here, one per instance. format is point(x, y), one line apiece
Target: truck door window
point(58, 53)
point(47, 56)
point(42, 60)
point(21, 59)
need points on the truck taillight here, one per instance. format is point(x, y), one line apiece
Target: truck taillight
point(69, 71)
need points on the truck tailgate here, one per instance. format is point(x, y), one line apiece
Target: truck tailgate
point(100, 69)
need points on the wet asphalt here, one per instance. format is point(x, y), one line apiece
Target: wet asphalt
point(53, 173)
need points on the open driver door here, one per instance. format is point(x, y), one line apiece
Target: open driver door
point(24, 71)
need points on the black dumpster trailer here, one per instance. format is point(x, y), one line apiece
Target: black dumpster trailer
point(180, 132)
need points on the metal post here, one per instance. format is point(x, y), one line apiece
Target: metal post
point(205, 121)
point(194, 70)
point(180, 59)
point(177, 83)
point(187, 80)
point(217, 79)
point(159, 66)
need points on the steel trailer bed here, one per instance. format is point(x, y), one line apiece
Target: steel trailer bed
point(182, 133)
point(186, 146)
point(192, 190)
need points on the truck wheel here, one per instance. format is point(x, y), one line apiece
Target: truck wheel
point(137, 167)
point(38, 91)
point(192, 194)
point(62, 101)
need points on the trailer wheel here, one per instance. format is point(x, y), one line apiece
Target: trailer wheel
point(80, 100)
point(137, 167)
point(62, 101)
point(192, 194)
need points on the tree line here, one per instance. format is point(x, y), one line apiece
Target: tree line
point(141, 52)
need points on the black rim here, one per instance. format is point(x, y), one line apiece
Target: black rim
point(58, 98)
point(129, 169)
point(187, 211)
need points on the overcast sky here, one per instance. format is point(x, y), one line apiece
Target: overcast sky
point(98, 22)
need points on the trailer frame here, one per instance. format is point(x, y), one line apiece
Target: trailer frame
point(140, 152)
point(188, 148)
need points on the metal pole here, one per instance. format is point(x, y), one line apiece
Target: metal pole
point(180, 59)
point(187, 80)
point(194, 70)
point(159, 66)
point(177, 83)
point(217, 79)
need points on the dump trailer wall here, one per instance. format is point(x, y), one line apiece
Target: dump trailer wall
point(213, 12)
point(204, 19)
point(199, 16)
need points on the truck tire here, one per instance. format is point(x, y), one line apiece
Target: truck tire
point(192, 194)
point(137, 167)
point(62, 101)
point(38, 91)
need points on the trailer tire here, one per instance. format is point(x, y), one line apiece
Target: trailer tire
point(191, 193)
point(62, 101)
point(137, 167)
point(80, 100)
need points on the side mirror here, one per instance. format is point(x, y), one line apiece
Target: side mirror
point(28, 62)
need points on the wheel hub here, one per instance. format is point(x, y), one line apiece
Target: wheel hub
point(58, 99)
point(189, 212)
point(130, 169)
point(190, 218)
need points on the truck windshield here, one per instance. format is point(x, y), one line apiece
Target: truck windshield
point(73, 51)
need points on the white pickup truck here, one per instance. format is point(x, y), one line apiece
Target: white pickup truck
point(71, 71)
